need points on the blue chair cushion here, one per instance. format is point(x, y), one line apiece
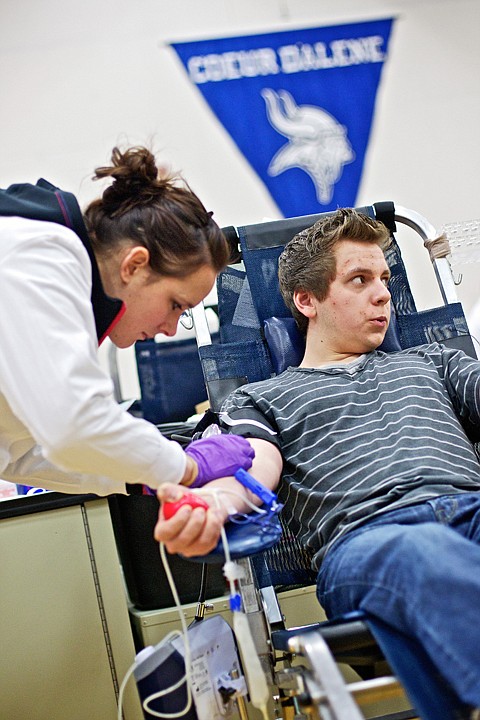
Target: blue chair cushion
point(284, 341)
point(250, 535)
point(286, 344)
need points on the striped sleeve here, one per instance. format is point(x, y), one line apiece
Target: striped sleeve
point(240, 416)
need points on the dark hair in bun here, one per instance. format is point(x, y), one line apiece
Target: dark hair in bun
point(146, 205)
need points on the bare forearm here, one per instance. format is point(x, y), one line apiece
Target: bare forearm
point(196, 531)
point(234, 497)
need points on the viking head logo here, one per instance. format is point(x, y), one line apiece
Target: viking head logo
point(317, 143)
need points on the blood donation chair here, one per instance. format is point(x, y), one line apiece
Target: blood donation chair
point(258, 338)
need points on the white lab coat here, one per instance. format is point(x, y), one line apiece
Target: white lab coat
point(60, 426)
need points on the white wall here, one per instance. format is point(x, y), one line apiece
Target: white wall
point(76, 78)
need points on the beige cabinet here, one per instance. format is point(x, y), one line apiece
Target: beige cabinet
point(66, 640)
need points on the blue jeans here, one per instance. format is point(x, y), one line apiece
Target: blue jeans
point(417, 569)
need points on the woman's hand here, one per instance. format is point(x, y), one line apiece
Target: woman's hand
point(190, 531)
point(218, 456)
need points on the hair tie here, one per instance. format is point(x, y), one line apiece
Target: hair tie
point(209, 217)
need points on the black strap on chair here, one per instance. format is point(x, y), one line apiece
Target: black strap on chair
point(385, 213)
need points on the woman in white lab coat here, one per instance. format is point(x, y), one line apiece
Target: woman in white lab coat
point(138, 257)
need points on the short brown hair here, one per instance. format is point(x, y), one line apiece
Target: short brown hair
point(308, 261)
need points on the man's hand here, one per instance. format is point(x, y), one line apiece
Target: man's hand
point(191, 531)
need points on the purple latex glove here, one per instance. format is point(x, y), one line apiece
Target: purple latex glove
point(219, 456)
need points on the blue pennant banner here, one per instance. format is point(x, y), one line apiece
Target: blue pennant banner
point(299, 104)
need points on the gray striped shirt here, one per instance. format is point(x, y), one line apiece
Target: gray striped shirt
point(365, 437)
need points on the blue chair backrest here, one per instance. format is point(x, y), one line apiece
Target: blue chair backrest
point(258, 337)
point(171, 379)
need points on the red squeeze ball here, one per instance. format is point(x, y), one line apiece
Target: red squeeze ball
point(170, 508)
